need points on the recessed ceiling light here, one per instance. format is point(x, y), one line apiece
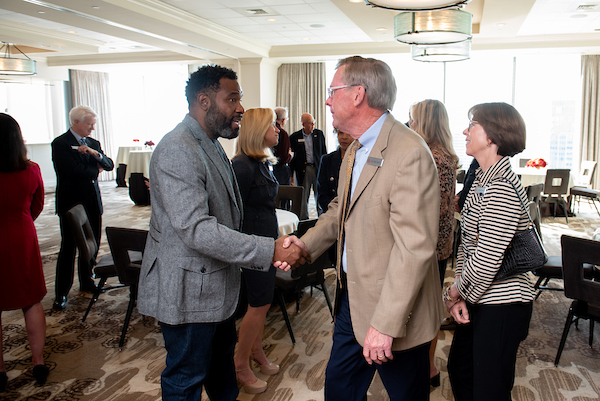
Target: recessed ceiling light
point(96, 7)
point(579, 16)
point(500, 25)
point(41, 12)
point(356, 1)
point(317, 26)
point(271, 19)
point(305, 38)
point(71, 31)
point(381, 28)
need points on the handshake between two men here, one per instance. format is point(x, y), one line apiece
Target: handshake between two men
point(290, 252)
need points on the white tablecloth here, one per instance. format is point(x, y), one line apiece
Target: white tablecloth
point(532, 175)
point(139, 162)
point(287, 221)
point(123, 154)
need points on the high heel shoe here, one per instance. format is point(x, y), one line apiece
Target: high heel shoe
point(40, 373)
point(270, 369)
point(259, 386)
point(3, 381)
point(435, 381)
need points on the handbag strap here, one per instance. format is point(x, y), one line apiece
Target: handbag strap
point(519, 196)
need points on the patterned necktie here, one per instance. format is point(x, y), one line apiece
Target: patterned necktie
point(346, 199)
point(84, 142)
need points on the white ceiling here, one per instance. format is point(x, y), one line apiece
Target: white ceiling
point(75, 32)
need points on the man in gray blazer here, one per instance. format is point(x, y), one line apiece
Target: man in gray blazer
point(190, 278)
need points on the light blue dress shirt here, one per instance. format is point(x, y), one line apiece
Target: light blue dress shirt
point(367, 139)
point(81, 142)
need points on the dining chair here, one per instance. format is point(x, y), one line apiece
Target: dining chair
point(460, 176)
point(293, 282)
point(123, 243)
point(584, 292)
point(534, 194)
point(289, 197)
point(582, 188)
point(104, 268)
point(556, 186)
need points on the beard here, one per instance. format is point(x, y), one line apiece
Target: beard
point(219, 124)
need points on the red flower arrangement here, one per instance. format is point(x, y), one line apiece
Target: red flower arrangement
point(537, 163)
point(149, 143)
point(136, 140)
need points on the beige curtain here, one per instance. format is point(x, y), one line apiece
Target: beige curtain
point(301, 88)
point(590, 112)
point(91, 89)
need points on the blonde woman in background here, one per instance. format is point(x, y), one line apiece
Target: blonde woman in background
point(430, 120)
point(253, 168)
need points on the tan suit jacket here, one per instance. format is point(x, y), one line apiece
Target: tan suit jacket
point(391, 236)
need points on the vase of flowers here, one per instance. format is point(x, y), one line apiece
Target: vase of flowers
point(537, 163)
point(149, 145)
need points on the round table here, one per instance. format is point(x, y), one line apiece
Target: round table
point(123, 154)
point(139, 162)
point(287, 222)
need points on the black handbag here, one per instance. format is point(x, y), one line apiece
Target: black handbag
point(524, 253)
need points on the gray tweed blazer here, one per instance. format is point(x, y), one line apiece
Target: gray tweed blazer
point(191, 267)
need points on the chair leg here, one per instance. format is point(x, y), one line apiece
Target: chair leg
point(324, 289)
point(594, 203)
point(94, 298)
point(564, 335)
point(130, 306)
point(281, 303)
point(591, 331)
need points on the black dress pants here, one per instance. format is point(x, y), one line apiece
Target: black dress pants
point(481, 364)
point(66, 256)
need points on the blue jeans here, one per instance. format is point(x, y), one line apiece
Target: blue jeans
point(199, 354)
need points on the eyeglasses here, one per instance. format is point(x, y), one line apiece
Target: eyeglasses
point(472, 124)
point(331, 90)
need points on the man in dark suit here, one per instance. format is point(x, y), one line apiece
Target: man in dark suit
point(77, 161)
point(190, 279)
point(308, 145)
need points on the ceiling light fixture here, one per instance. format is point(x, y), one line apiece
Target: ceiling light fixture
point(415, 5)
point(441, 53)
point(15, 66)
point(432, 27)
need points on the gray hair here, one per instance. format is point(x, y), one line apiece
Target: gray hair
point(373, 75)
point(79, 113)
point(282, 113)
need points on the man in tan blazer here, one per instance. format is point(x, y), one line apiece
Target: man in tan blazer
point(388, 300)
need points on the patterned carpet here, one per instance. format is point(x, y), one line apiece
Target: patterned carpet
point(86, 364)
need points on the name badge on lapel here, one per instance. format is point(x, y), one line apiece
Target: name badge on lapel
point(74, 147)
point(480, 190)
point(301, 140)
point(374, 161)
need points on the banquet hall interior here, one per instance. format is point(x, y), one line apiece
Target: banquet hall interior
point(130, 60)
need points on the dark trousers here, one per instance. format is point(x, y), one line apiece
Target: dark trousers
point(66, 256)
point(199, 354)
point(309, 181)
point(348, 376)
point(482, 359)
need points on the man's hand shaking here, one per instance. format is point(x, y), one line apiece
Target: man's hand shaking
point(290, 252)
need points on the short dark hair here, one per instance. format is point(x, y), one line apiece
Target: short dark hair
point(13, 153)
point(503, 125)
point(207, 80)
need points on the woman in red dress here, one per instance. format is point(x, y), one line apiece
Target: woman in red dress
point(22, 284)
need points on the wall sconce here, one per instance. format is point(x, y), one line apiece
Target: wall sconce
point(432, 27)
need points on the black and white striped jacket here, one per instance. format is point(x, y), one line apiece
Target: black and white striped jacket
point(490, 217)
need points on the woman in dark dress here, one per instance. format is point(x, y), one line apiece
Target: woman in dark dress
point(258, 187)
point(22, 284)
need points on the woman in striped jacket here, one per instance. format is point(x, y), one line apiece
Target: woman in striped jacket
point(493, 316)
